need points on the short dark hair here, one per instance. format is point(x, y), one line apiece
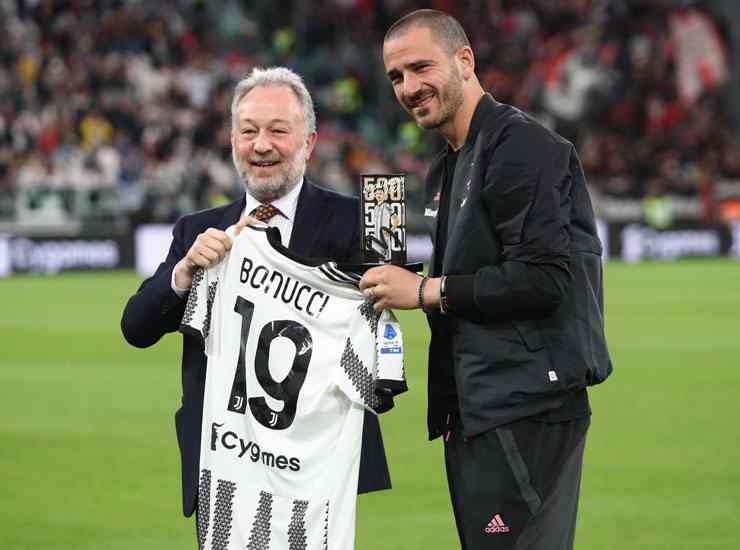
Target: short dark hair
point(444, 27)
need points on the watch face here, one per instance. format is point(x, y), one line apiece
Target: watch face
point(443, 295)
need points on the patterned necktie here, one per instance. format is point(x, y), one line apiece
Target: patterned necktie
point(264, 212)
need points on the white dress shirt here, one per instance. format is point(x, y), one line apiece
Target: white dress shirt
point(287, 204)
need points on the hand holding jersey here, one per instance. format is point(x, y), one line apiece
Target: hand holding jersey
point(392, 287)
point(209, 248)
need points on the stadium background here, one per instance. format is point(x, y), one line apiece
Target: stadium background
point(114, 121)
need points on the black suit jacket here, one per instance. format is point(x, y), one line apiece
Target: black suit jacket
point(326, 225)
point(525, 328)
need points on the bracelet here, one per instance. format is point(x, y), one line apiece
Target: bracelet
point(443, 306)
point(422, 284)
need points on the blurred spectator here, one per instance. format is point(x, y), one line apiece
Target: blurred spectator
point(132, 96)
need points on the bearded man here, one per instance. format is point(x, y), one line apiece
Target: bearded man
point(273, 133)
point(514, 296)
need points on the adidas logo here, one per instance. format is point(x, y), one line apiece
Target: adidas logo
point(497, 525)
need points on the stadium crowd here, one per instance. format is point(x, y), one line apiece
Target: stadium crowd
point(134, 97)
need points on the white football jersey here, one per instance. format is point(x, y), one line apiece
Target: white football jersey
point(295, 356)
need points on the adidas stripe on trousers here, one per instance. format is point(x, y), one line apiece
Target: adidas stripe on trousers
point(516, 487)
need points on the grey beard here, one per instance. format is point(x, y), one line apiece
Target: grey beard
point(278, 186)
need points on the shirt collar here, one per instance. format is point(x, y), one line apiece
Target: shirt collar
point(287, 204)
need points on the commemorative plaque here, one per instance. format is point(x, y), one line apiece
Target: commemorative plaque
point(383, 213)
point(383, 221)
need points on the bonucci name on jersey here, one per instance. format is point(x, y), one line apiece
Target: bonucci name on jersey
point(284, 287)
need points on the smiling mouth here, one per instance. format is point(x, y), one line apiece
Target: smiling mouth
point(263, 163)
point(422, 103)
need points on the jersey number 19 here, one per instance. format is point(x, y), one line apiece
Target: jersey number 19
point(286, 390)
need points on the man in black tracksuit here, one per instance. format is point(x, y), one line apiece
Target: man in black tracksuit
point(513, 297)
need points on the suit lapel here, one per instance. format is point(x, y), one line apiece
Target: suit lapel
point(308, 216)
point(232, 213)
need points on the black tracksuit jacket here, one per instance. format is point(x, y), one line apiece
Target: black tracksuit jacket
point(525, 327)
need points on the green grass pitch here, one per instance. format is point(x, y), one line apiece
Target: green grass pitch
point(89, 457)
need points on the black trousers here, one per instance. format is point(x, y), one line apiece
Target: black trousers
point(516, 487)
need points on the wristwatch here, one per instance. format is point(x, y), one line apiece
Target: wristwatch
point(443, 306)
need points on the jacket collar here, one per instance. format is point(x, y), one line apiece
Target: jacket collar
point(486, 106)
point(232, 213)
point(309, 210)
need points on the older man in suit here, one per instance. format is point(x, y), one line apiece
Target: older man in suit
point(273, 135)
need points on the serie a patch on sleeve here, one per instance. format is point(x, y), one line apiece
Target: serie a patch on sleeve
point(391, 377)
point(391, 341)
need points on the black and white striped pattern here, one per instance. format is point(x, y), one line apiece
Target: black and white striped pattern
point(212, 287)
point(370, 315)
point(192, 302)
point(204, 507)
point(259, 538)
point(223, 514)
point(326, 526)
point(297, 526)
point(333, 273)
point(361, 379)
